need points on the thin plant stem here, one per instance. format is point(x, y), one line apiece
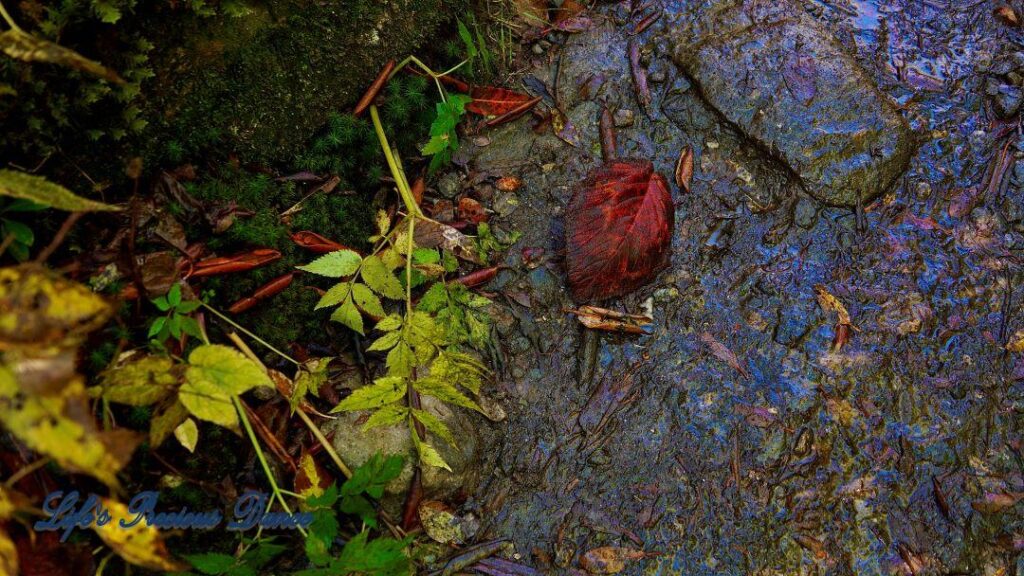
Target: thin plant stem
point(238, 342)
point(403, 186)
point(408, 267)
point(326, 444)
point(25, 471)
point(7, 17)
point(250, 334)
point(263, 459)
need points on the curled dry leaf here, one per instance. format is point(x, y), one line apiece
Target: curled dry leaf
point(812, 545)
point(684, 168)
point(431, 234)
point(508, 183)
point(611, 321)
point(722, 352)
point(643, 90)
point(994, 502)
point(564, 128)
point(619, 226)
point(494, 101)
point(471, 210)
point(1007, 16)
point(611, 559)
point(844, 326)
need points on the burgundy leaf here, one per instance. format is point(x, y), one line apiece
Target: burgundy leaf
point(619, 226)
point(493, 101)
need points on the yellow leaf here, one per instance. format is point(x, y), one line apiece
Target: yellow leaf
point(8, 555)
point(188, 434)
point(138, 544)
point(308, 467)
point(39, 309)
point(165, 421)
point(1016, 342)
point(23, 46)
point(41, 191)
point(61, 427)
point(138, 383)
point(830, 303)
point(206, 401)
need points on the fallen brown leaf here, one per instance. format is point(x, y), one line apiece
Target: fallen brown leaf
point(611, 321)
point(684, 168)
point(723, 353)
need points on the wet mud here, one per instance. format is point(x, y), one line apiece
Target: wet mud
point(735, 438)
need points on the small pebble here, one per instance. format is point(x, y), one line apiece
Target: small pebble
point(624, 118)
point(537, 49)
point(806, 213)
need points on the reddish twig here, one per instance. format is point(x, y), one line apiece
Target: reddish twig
point(374, 89)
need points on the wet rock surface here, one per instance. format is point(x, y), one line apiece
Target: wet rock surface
point(790, 457)
point(787, 84)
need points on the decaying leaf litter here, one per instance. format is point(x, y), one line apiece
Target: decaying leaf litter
point(790, 388)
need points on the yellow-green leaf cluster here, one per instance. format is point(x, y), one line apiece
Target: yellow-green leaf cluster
point(214, 376)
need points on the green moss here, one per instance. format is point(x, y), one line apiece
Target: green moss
point(264, 84)
point(289, 316)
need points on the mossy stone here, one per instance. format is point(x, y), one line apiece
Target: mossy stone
point(261, 84)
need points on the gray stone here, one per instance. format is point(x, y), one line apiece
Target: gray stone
point(806, 213)
point(623, 118)
point(450, 185)
point(781, 78)
point(1007, 100)
point(355, 447)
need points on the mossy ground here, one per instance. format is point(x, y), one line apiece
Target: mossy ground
point(260, 86)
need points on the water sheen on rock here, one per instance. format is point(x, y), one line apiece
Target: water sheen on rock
point(786, 83)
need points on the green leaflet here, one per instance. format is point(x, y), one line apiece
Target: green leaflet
point(386, 416)
point(444, 391)
point(434, 425)
point(380, 279)
point(334, 296)
point(383, 391)
point(428, 454)
point(334, 264)
point(366, 300)
point(349, 315)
